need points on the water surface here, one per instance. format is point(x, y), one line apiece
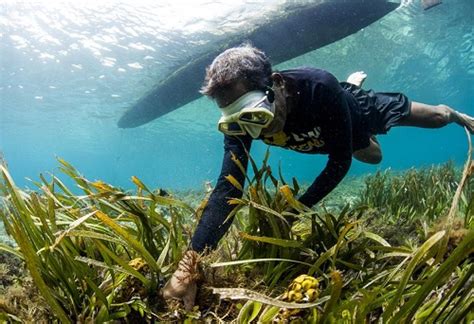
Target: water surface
point(69, 70)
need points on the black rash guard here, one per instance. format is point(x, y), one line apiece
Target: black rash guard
point(324, 119)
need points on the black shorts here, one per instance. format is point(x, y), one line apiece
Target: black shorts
point(380, 110)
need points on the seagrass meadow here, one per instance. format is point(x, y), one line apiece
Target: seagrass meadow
point(397, 249)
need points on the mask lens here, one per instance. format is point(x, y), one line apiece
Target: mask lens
point(231, 128)
point(259, 118)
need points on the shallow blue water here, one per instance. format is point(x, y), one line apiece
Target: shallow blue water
point(68, 72)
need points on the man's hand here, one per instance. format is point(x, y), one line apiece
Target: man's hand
point(357, 78)
point(182, 284)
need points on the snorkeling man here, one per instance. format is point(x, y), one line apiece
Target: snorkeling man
point(306, 110)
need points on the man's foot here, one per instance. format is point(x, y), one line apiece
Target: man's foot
point(466, 121)
point(357, 78)
point(182, 284)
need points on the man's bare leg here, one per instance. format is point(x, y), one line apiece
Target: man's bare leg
point(427, 116)
point(372, 154)
point(357, 78)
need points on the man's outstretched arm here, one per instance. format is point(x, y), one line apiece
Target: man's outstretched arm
point(213, 224)
point(337, 126)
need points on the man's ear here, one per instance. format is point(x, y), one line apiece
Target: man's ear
point(286, 86)
point(277, 79)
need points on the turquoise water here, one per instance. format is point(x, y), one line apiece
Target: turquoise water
point(68, 72)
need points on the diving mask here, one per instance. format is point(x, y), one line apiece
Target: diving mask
point(249, 114)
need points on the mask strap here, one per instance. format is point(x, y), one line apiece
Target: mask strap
point(270, 94)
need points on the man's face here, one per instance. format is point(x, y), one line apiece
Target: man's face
point(244, 110)
point(229, 94)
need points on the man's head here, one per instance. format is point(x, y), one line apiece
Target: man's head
point(236, 71)
point(239, 80)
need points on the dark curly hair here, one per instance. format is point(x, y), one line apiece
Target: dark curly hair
point(245, 63)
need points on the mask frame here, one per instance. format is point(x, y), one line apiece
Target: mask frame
point(240, 119)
